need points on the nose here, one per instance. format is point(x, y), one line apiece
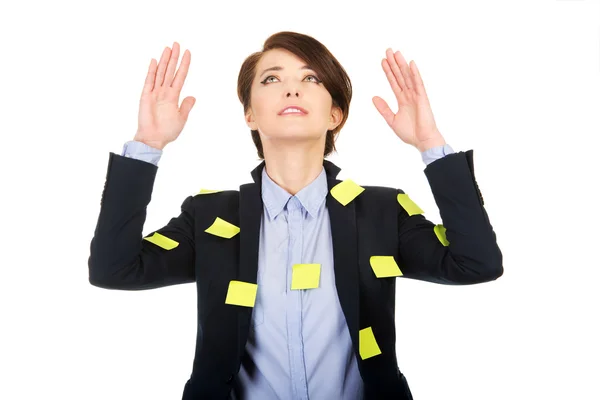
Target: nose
point(289, 94)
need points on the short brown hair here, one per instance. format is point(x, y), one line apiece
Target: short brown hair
point(314, 53)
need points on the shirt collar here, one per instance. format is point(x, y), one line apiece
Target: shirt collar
point(311, 196)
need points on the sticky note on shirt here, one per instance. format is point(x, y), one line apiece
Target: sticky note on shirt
point(162, 241)
point(367, 345)
point(241, 293)
point(208, 191)
point(409, 205)
point(346, 191)
point(222, 228)
point(305, 276)
point(385, 266)
point(440, 232)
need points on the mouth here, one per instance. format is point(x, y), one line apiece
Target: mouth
point(293, 110)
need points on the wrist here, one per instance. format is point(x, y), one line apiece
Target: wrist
point(151, 143)
point(430, 143)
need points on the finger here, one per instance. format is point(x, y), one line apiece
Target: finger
point(403, 67)
point(172, 65)
point(182, 71)
point(419, 86)
point(186, 107)
point(149, 83)
point(384, 110)
point(394, 66)
point(162, 66)
point(391, 79)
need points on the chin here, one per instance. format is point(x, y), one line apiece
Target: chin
point(293, 131)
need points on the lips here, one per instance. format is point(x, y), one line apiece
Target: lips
point(302, 111)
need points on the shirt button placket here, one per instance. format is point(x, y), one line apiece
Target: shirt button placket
point(294, 303)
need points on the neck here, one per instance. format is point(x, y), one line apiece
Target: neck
point(293, 166)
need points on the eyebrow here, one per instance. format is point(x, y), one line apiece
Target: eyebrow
point(278, 68)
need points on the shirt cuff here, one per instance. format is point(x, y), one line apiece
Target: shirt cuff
point(141, 151)
point(435, 153)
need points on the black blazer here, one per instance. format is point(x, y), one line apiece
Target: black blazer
point(373, 223)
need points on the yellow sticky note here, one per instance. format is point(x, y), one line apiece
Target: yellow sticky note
point(385, 266)
point(208, 191)
point(241, 293)
point(440, 232)
point(162, 241)
point(409, 205)
point(305, 276)
point(367, 345)
point(222, 228)
point(346, 191)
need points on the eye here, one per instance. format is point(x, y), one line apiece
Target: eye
point(266, 80)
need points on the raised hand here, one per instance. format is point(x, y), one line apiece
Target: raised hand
point(160, 119)
point(413, 123)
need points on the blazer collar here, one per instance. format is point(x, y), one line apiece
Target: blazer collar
point(331, 170)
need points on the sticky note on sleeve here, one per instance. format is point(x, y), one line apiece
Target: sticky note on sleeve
point(409, 205)
point(208, 191)
point(305, 276)
point(222, 228)
point(385, 266)
point(440, 232)
point(346, 191)
point(162, 241)
point(367, 345)
point(241, 293)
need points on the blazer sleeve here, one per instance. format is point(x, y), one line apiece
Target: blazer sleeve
point(470, 253)
point(120, 258)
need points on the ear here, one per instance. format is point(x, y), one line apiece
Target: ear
point(335, 118)
point(250, 120)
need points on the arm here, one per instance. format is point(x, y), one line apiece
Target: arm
point(119, 257)
point(472, 255)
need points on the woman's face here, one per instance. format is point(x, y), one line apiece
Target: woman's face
point(289, 85)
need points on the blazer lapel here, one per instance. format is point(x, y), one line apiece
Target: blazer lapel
point(251, 208)
point(344, 238)
point(345, 253)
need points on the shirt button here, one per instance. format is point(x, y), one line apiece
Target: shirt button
point(230, 379)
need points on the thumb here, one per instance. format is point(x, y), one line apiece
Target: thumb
point(384, 109)
point(186, 107)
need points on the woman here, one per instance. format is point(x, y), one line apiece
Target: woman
point(295, 273)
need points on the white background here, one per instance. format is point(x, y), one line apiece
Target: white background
point(516, 81)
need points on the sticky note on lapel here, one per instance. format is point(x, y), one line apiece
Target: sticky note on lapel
point(346, 191)
point(440, 232)
point(241, 293)
point(409, 205)
point(305, 276)
point(385, 266)
point(162, 241)
point(223, 229)
point(367, 345)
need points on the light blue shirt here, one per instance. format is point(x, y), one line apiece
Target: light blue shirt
point(299, 346)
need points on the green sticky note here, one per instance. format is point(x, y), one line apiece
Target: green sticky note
point(346, 191)
point(409, 205)
point(305, 276)
point(222, 228)
point(241, 293)
point(440, 232)
point(208, 191)
point(367, 345)
point(162, 241)
point(385, 266)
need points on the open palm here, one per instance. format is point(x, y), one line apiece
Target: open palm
point(413, 123)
